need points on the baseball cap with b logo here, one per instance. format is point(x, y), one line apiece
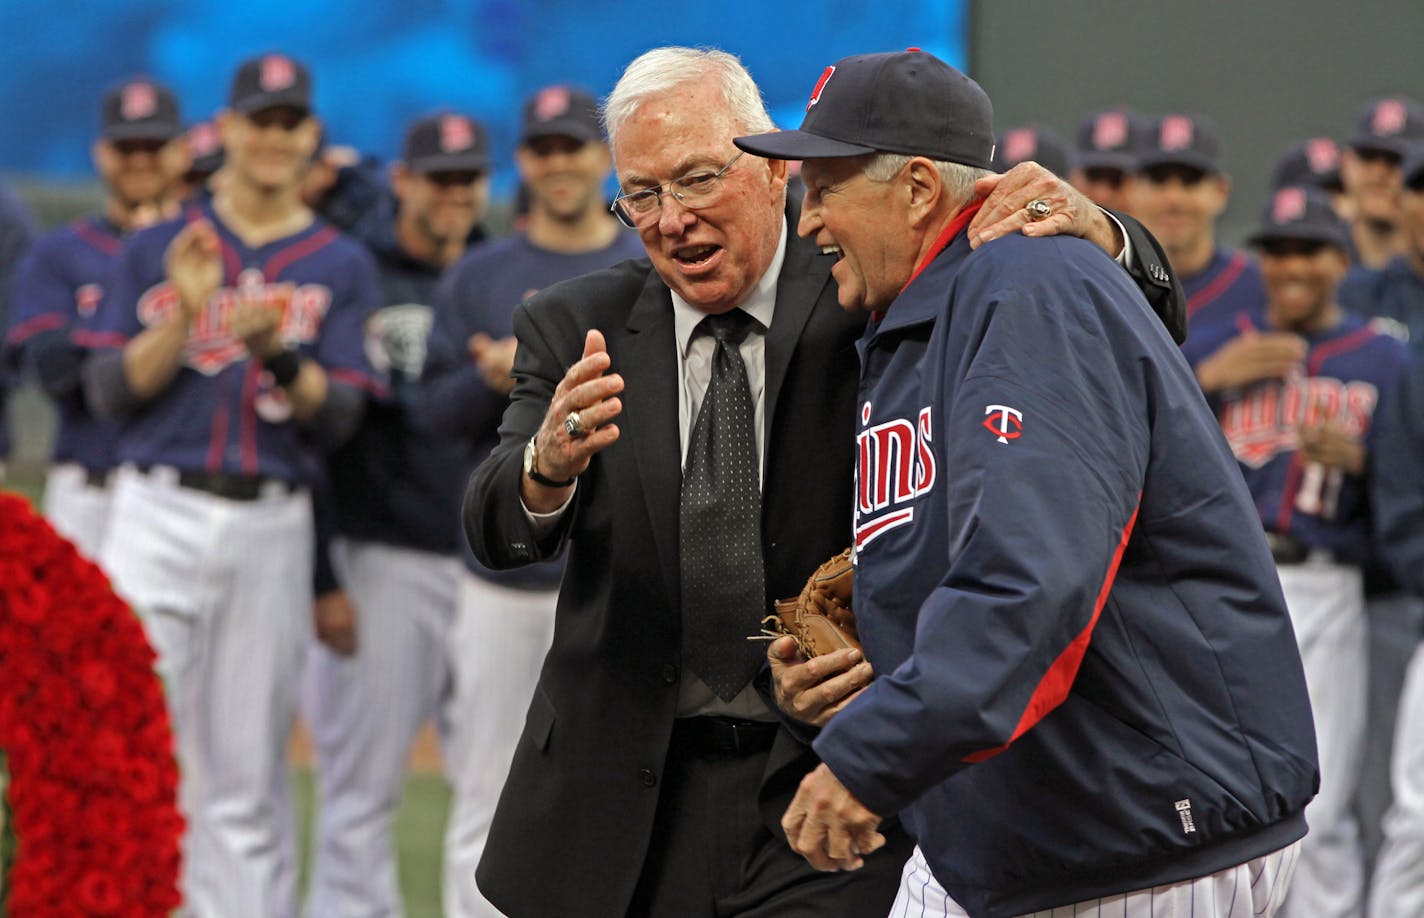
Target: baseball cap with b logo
point(270, 81)
point(1391, 125)
point(446, 142)
point(1031, 142)
point(907, 102)
point(1300, 214)
point(1180, 140)
point(561, 111)
point(140, 109)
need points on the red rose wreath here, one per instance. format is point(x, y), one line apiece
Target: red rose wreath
point(93, 782)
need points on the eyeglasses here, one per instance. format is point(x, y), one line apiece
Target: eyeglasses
point(698, 189)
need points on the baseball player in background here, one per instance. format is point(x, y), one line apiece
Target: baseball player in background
point(17, 234)
point(140, 156)
point(386, 598)
point(1303, 435)
point(1370, 171)
point(231, 341)
point(1086, 686)
point(1179, 190)
point(506, 618)
point(1103, 161)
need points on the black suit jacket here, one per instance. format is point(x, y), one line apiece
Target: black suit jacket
point(572, 827)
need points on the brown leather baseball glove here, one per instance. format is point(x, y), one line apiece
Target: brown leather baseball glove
point(820, 619)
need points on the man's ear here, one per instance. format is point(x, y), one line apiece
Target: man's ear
point(925, 188)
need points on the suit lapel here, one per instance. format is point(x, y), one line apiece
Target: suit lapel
point(650, 373)
point(804, 276)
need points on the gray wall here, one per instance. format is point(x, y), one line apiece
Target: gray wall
point(1267, 72)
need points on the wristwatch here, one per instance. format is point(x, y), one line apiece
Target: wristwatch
point(531, 466)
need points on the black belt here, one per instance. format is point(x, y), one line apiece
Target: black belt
point(724, 735)
point(97, 478)
point(221, 484)
point(1288, 550)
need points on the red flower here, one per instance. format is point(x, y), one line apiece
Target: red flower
point(93, 783)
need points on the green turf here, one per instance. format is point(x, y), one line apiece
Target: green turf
point(420, 827)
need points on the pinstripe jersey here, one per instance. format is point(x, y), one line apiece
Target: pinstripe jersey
point(222, 412)
point(59, 284)
point(1348, 369)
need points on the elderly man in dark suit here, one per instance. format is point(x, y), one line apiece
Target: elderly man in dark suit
point(683, 424)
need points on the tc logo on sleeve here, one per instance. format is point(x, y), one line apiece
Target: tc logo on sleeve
point(1003, 422)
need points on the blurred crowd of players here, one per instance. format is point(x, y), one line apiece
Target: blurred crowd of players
point(275, 361)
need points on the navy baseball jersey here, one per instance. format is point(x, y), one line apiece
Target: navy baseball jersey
point(17, 233)
point(59, 285)
point(479, 295)
point(1348, 370)
point(391, 482)
point(1228, 285)
point(1394, 293)
point(222, 412)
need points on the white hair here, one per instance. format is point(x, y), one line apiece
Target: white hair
point(958, 178)
point(661, 69)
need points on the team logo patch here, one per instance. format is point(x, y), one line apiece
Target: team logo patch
point(1020, 144)
point(820, 86)
point(86, 299)
point(1322, 154)
point(1110, 131)
point(1003, 422)
point(1176, 133)
point(395, 338)
point(896, 465)
point(1288, 205)
point(1389, 118)
point(278, 73)
point(456, 133)
point(551, 102)
point(138, 101)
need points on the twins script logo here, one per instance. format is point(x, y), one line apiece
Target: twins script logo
point(211, 346)
point(1266, 420)
point(1003, 422)
point(896, 466)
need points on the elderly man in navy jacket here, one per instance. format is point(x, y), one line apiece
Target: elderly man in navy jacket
point(1087, 687)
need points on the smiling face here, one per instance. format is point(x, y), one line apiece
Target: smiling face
point(140, 171)
point(269, 149)
point(866, 224)
point(713, 256)
point(564, 175)
point(1301, 278)
point(1180, 205)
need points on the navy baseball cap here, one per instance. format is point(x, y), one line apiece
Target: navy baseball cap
point(561, 111)
point(1108, 140)
point(140, 109)
point(204, 148)
point(1314, 163)
point(1031, 142)
point(908, 102)
point(446, 142)
point(1412, 172)
point(1180, 140)
point(1389, 125)
point(270, 81)
point(1301, 214)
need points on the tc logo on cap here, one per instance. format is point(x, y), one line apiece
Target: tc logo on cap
point(1322, 154)
point(1020, 144)
point(138, 101)
point(1109, 131)
point(1176, 133)
point(277, 73)
point(456, 133)
point(551, 102)
point(1289, 205)
point(820, 86)
point(1389, 118)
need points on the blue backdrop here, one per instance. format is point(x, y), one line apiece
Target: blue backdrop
point(377, 64)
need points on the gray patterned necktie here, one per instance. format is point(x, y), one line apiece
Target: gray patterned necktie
point(719, 526)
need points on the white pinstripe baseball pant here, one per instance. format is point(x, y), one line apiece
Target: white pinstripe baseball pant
point(1250, 890)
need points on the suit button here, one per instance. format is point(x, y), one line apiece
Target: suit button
point(669, 673)
point(647, 777)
